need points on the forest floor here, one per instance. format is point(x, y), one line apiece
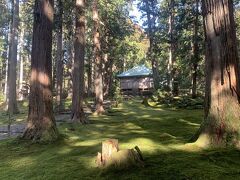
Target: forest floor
point(160, 133)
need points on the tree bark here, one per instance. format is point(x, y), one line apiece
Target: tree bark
point(112, 157)
point(21, 59)
point(78, 66)
point(90, 78)
point(195, 58)
point(151, 26)
point(98, 61)
point(12, 61)
point(172, 79)
point(221, 126)
point(109, 147)
point(59, 56)
point(41, 124)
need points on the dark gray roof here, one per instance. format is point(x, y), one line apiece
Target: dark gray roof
point(141, 70)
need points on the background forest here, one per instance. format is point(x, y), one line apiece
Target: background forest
point(175, 48)
point(60, 90)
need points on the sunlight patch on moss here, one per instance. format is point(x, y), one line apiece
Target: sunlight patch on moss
point(21, 162)
point(87, 143)
point(188, 122)
point(64, 150)
point(190, 147)
point(146, 145)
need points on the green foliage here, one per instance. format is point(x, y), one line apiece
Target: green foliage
point(183, 36)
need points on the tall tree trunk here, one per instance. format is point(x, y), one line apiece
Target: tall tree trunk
point(7, 61)
point(221, 126)
point(108, 76)
point(110, 83)
point(41, 124)
point(195, 58)
point(21, 59)
point(172, 81)
point(151, 26)
point(12, 61)
point(78, 66)
point(98, 61)
point(59, 71)
point(69, 64)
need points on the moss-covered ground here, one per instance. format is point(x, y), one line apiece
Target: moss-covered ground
point(160, 133)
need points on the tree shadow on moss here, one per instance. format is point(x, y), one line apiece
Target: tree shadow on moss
point(161, 134)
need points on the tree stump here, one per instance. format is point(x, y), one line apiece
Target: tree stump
point(108, 148)
point(111, 156)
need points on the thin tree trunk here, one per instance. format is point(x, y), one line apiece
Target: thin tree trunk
point(12, 62)
point(69, 64)
point(106, 75)
point(21, 59)
point(89, 90)
point(98, 61)
point(78, 66)
point(110, 85)
point(221, 126)
point(41, 124)
point(195, 59)
point(59, 71)
point(172, 81)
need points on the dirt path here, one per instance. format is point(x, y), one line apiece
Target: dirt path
point(18, 129)
point(15, 129)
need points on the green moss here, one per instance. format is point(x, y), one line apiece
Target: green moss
point(160, 133)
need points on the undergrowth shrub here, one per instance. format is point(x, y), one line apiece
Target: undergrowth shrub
point(184, 101)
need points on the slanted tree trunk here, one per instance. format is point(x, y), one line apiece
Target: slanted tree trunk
point(221, 126)
point(41, 124)
point(98, 61)
point(59, 71)
point(12, 61)
point(152, 57)
point(195, 58)
point(78, 66)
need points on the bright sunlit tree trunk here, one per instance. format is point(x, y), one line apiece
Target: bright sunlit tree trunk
point(221, 126)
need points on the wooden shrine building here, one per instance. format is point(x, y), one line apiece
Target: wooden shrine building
point(138, 80)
